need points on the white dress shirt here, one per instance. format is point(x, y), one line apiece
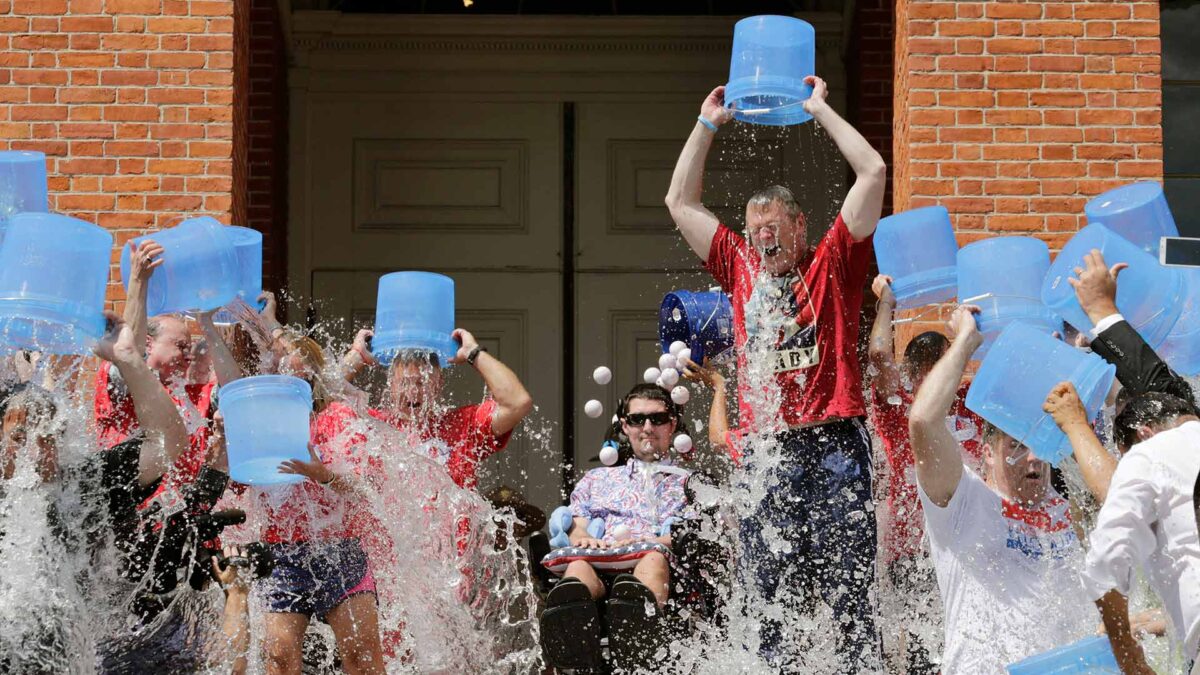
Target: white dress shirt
point(1149, 520)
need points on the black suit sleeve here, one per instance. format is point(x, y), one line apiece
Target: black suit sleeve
point(1139, 368)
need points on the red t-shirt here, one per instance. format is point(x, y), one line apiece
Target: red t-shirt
point(812, 327)
point(462, 438)
point(890, 418)
point(311, 511)
point(116, 421)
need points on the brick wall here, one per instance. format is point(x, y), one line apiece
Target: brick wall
point(1012, 114)
point(131, 100)
point(267, 138)
point(870, 71)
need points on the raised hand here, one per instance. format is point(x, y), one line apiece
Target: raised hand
point(963, 327)
point(713, 109)
point(117, 345)
point(314, 469)
point(144, 258)
point(467, 344)
point(1096, 286)
point(1064, 406)
point(820, 91)
point(709, 377)
point(882, 288)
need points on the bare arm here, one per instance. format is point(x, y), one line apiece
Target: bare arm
point(143, 260)
point(938, 456)
point(696, 222)
point(156, 412)
point(513, 402)
point(359, 356)
point(718, 413)
point(224, 364)
point(882, 347)
point(1095, 463)
point(864, 201)
point(1114, 610)
point(235, 621)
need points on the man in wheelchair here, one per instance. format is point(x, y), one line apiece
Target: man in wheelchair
point(617, 556)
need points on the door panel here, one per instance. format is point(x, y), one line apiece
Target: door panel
point(435, 185)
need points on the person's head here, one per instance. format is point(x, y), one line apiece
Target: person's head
point(649, 418)
point(200, 368)
point(31, 425)
point(921, 353)
point(775, 227)
point(303, 358)
point(1145, 415)
point(415, 384)
point(168, 347)
point(1012, 470)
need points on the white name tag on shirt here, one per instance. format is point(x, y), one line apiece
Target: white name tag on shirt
point(796, 359)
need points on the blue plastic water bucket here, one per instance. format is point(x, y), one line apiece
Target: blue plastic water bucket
point(918, 250)
point(22, 183)
point(1024, 364)
point(247, 244)
point(266, 423)
point(1138, 212)
point(1181, 348)
point(1009, 271)
point(1093, 656)
point(199, 270)
point(1151, 297)
point(771, 57)
point(702, 319)
point(414, 311)
point(53, 276)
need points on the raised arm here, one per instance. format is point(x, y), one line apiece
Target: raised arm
point(1139, 368)
point(166, 437)
point(882, 348)
point(864, 201)
point(1095, 463)
point(224, 364)
point(718, 412)
point(696, 222)
point(513, 402)
point(359, 356)
point(143, 260)
point(939, 458)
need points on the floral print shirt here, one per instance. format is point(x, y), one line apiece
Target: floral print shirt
point(639, 495)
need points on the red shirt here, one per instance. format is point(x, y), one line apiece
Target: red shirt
point(116, 421)
point(462, 438)
point(890, 418)
point(311, 511)
point(812, 327)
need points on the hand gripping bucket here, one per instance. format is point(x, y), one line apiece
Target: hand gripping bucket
point(771, 57)
point(199, 270)
point(702, 319)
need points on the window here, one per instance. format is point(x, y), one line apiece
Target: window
point(1181, 112)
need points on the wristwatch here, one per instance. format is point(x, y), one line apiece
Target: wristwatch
point(475, 354)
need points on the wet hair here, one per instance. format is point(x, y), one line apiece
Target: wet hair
point(155, 324)
point(990, 432)
point(416, 356)
point(650, 392)
point(314, 358)
point(1150, 409)
point(925, 349)
point(773, 194)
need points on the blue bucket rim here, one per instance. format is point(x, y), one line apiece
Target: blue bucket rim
point(243, 386)
point(386, 345)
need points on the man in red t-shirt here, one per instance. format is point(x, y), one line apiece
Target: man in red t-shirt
point(892, 388)
point(460, 438)
point(796, 315)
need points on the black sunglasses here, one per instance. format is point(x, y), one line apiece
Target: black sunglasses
point(658, 419)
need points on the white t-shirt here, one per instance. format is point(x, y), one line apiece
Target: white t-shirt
point(1149, 521)
point(1008, 577)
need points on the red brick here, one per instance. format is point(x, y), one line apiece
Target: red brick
point(966, 28)
point(1070, 64)
point(1014, 223)
point(1013, 10)
point(1096, 10)
point(1014, 46)
point(1058, 99)
point(1109, 46)
point(144, 7)
point(1053, 28)
point(1009, 81)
